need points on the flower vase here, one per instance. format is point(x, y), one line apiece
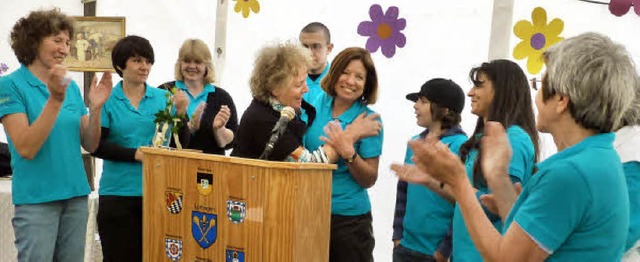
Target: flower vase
point(161, 134)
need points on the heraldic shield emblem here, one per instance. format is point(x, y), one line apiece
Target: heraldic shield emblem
point(204, 228)
point(234, 255)
point(174, 201)
point(173, 248)
point(236, 211)
point(205, 183)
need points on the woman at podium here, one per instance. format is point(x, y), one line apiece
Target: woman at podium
point(266, 131)
point(213, 116)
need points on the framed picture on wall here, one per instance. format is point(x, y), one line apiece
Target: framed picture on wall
point(92, 42)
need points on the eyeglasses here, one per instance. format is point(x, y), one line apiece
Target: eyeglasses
point(534, 83)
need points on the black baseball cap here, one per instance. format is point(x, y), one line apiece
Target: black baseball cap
point(443, 92)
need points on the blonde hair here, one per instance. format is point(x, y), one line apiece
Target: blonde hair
point(198, 51)
point(275, 67)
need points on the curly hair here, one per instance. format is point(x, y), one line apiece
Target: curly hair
point(198, 51)
point(28, 32)
point(275, 67)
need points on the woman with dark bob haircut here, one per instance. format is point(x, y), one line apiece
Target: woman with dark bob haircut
point(46, 122)
point(127, 124)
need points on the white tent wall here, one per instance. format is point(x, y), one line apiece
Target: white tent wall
point(444, 39)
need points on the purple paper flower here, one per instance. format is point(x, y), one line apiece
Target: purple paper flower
point(3, 68)
point(383, 30)
point(621, 7)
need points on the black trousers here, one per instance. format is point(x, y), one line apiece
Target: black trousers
point(403, 254)
point(120, 228)
point(351, 238)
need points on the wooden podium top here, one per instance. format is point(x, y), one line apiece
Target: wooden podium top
point(238, 160)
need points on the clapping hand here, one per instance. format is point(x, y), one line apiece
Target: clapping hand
point(434, 158)
point(194, 122)
point(181, 101)
point(411, 173)
point(364, 126)
point(496, 152)
point(222, 117)
point(489, 201)
point(100, 91)
point(336, 138)
point(58, 82)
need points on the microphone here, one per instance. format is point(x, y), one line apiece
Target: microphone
point(286, 114)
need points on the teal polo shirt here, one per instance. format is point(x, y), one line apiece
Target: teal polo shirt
point(56, 172)
point(632, 175)
point(314, 86)
point(428, 216)
point(194, 101)
point(348, 198)
point(576, 207)
point(129, 128)
point(520, 170)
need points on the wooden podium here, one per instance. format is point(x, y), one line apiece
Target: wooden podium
point(201, 207)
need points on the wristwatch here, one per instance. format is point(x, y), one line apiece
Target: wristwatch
point(352, 158)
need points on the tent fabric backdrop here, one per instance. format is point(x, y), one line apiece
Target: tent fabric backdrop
point(443, 39)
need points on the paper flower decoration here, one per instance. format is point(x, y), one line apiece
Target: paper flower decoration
point(245, 6)
point(536, 37)
point(383, 30)
point(621, 7)
point(3, 68)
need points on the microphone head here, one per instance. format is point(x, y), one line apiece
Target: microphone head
point(289, 112)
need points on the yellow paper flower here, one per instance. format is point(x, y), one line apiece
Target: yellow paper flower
point(536, 37)
point(245, 6)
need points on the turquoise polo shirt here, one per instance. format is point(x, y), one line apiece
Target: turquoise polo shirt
point(632, 175)
point(314, 86)
point(129, 128)
point(520, 170)
point(348, 198)
point(576, 207)
point(194, 101)
point(428, 216)
point(56, 172)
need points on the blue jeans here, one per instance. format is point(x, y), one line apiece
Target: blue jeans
point(52, 231)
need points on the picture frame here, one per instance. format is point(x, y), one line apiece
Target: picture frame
point(92, 42)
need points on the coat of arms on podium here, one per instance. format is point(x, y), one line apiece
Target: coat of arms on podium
point(173, 201)
point(236, 211)
point(205, 183)
point(204, 228)
point(173, 248)
point(232, 255)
